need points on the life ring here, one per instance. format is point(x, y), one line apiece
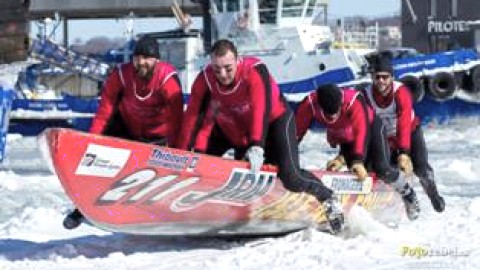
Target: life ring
point(474, 80)
point(415, 85)
point(442, 85)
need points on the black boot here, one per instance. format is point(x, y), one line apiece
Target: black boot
point(438, 203)
point(333, 210)
point(430, 189)
point(73, 220)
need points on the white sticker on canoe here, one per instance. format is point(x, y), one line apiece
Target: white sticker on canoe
point(102, 161)
point(347, 184)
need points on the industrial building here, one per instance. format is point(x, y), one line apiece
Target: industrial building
point(440, 25)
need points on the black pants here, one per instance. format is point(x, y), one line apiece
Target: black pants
point(378, 154)
point(419, 156)
point(116, 127)
point(281, 149)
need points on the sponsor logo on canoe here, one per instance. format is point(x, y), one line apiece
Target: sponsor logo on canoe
point(88, 159)
point(144, 186)
point(166, 159)
point(241, 188)
point(147, 187)
point(347, 184)
point(102, 161)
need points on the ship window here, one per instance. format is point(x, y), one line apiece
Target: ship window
point(173, 51)
point(310, 8)
point(227, 5)
point(292, 8)
point(267, 11)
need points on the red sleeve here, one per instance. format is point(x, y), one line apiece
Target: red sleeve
point(304, 116)
point(404, 115)
point(260, 94)
point(174, 103)
point(108, 102)
point(359, 117)
point(194, 108)
point(204, 133)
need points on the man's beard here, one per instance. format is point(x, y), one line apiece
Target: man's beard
point(144, 72)
point(383, 89)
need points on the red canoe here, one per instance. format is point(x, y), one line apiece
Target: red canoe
point(138, 188)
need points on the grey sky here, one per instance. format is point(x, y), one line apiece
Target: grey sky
point(370, 8)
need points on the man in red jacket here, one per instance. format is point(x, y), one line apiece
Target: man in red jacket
point(393, 103)
point(351, 124)
point(235, 103)
point(141, 101)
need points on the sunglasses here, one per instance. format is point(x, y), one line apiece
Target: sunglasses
point(382, 77)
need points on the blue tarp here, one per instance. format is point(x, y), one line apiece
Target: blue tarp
point(6, 97)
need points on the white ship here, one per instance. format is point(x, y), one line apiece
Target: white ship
point(297, 51)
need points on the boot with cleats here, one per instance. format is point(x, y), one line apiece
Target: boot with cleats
point(412, 206)
point(334, 215)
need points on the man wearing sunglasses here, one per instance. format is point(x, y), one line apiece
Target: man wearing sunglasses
point(393, 103)
point(352, 125)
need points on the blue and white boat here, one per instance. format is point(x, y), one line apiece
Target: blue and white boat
point(36, 107)
point(301, 55)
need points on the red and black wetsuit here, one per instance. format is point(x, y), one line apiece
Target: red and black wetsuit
point(250, 111)
point(359, 134)
point(351, 126)
point(404, 131)
point(133, 108)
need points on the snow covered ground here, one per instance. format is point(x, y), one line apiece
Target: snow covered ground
point(33, 205)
